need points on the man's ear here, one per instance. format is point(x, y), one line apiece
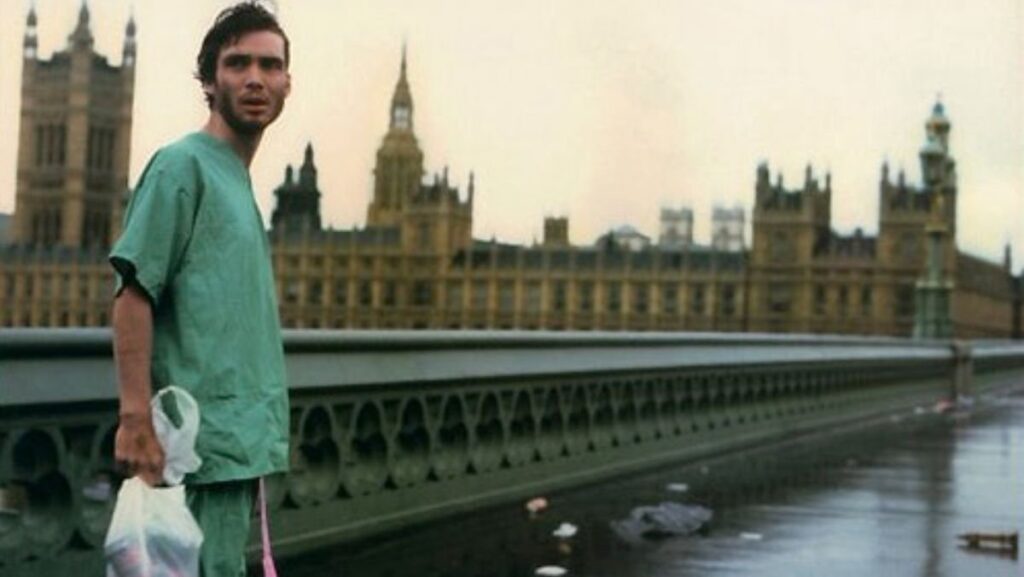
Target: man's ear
point(208, 91)
point(288, 84)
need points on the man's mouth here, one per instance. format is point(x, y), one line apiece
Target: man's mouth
point(254, 103)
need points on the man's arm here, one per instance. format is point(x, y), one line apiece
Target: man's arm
point(136, 447)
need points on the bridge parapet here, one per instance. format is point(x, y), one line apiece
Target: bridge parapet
point(395, 428)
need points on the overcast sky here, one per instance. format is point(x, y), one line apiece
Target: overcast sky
point(603, 111)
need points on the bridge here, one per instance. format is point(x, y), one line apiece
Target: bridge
point(393, 429)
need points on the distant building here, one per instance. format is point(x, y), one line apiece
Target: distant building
point(728, 226)
point(676, 228)
point(415, 264)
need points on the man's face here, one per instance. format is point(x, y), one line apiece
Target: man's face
point(251, 82)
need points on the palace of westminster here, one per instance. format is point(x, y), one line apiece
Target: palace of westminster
point(415, 264)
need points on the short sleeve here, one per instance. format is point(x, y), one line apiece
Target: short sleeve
point(157, 225)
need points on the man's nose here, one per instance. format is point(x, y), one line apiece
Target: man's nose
point(254, 77)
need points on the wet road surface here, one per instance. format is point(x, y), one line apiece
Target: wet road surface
point(884, 500)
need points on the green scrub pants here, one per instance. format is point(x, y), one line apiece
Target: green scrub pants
point(224, 512)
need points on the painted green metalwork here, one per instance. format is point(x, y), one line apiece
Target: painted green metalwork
point(391, 429)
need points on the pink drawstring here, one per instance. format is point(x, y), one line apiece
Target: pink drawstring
point(268, 558)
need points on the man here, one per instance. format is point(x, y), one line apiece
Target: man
point(195, 304)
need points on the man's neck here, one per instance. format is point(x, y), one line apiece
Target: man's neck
point(244, 145)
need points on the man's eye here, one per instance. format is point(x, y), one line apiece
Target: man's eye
point(272, 64)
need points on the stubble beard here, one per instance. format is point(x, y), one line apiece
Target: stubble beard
point(243, 127)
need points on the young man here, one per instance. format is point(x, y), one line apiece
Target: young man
point(195, 304)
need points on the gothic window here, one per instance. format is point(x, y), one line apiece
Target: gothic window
point(820, 299)
point(865, 301)
point(781, 247)
point(585, 294)
point(507, 296)
point(558, 299)
point(315, 295)
point(453, 295)
point(291, 291)
point(40, 145)
point(613, 297)
point(844, 301)
point(727, 300)
point(479, 296)
point(780, 298)
point(697, 298)
point(62, 141)
point(533, 297)
point(422, 293)
point(340, 292)
point(365, 293)
point(391, 294)
point(670, 298)
point(640, 298)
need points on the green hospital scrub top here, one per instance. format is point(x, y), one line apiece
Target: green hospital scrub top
point(194, 241)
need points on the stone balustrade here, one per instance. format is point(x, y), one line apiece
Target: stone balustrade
point(391, 429)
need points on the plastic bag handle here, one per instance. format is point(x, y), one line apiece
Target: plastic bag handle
point(189, 412)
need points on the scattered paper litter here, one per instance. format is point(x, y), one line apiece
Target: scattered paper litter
point(550, 571)
point(536, 505)
point(564, 531)
point(678, 487)
point(751, 536)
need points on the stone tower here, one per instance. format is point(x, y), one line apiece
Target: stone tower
point(432, 216)
point(789, 227)
point(399, 160)
point(298, 203)
point(74, 140)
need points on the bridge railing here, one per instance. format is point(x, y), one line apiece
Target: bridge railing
point(395, 428)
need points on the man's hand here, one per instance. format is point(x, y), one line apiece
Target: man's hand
point(137, 450)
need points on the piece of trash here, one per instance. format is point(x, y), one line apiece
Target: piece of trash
point(895, 418)
point(99, 490)
point(919, 410)
point(944, 406)
point(678, 487)
point(536, 505)
point(965, 401)
point(980, 540)
point(550, 571)
point(751, 536)
point(667, 519)
point(564, 531)
point(704, 470)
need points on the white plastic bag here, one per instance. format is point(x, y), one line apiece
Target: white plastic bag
point(152, 533)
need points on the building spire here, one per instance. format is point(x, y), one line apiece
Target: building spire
point(31, 42)
point(401, 102)
point(307, 172)
point(82, 36)
point(128, 52)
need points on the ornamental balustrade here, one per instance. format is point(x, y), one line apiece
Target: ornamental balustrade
point(390, 429)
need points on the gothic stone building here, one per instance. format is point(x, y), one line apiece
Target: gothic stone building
point(416, 265)
point(72, 176)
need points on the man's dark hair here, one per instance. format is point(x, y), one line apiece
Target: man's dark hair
point(231, 24)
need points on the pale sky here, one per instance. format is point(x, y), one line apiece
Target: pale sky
point(600, 110)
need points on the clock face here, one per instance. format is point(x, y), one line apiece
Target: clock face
point(401, 117)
